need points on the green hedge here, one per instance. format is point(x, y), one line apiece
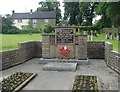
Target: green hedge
point(26, 31)
point(47, 29)
point(18, 31)
point(86, 28)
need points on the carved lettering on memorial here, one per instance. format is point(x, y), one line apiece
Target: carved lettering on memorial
point(65, 36)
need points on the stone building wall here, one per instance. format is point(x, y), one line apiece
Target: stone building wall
point(25, 51)
point(112, 57)
point(51, 22)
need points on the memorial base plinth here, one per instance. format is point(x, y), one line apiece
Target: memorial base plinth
point(44, 61)
point(60, 66)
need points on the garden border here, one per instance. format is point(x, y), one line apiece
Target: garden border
point(25, 82)
point(98, 82)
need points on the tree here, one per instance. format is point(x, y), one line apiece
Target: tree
point(6, 23)
point(72, 13)
point(104, 23)
point(0, 24)
point(77, 12)
point(88, 11)
point(109, 10)
point(51, 6)
point(113, 11)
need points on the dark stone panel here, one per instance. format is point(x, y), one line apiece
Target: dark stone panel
point(95, 50)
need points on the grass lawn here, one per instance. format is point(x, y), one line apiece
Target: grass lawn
point(101, 37)
point(11, 41)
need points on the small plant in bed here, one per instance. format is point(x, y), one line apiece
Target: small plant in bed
point(85, 84)
point(10, 83)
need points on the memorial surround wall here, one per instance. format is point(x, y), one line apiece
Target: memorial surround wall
point(33, 49)
point(112, 58)
point(51, 50)
point(77, 44)
point(24, 52)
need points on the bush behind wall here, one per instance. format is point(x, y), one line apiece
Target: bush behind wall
point(46, 29)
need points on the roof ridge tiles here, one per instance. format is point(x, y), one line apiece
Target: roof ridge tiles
point(37, 15)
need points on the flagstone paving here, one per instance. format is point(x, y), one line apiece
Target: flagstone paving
point(62, 80)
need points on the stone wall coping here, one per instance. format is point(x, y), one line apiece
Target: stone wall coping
point(48, 34)
point(19, 46)
point(97, 41)
point(108, 43)
point(9, 50)
point(54, 35)
point(80, 35)
point(27, 42)
point(64, 26)
point(115, 52)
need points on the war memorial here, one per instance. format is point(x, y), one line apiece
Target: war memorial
point(61, 61)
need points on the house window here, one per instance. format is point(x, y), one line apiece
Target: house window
point(23, 27)
point(34, 21)
point(19, 20)
point(34, 25)
point(46, 20)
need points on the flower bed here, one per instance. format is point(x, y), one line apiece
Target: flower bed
point(14, 81)
point(88, 83)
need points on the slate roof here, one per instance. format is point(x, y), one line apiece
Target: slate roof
point(35, 15)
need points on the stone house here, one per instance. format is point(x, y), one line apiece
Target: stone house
point(21, 20)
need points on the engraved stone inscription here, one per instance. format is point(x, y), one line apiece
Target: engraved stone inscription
point(65, 36)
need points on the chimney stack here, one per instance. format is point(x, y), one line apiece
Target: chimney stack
point(31, 11)
point(13, 11)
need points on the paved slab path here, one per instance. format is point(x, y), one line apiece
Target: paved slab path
point(54, 80)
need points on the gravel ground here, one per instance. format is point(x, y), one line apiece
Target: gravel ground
point(54, 80)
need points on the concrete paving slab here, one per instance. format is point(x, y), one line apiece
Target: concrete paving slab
point(59, 66)
point(54, 80)
point(51, 80)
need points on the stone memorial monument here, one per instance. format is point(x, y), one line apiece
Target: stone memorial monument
point(64, 44)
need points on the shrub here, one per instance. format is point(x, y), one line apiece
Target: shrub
point(29, 31)
point(13, 30)
point(47, 29)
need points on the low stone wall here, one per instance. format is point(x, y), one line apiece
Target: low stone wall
point(112, 57)
point(38, 49)
point(33, 49)
point(25, 51)
point(95, 49)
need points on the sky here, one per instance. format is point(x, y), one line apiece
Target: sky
point(19, 6)
point(6, 6)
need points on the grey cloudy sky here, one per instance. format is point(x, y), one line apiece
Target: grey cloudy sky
point(6, 6)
